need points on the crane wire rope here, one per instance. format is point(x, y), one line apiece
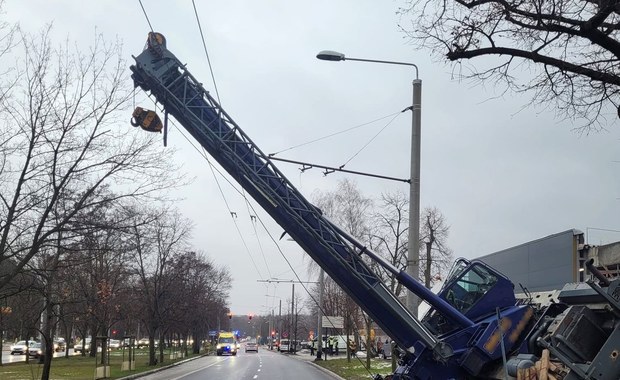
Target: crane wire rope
point(204, 45)
point(145, 15)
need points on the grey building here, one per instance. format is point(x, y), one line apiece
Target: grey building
point(543, 264)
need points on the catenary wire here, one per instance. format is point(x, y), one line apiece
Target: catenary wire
point(335, 133)
point(204, 45)
point(371, 140)
point(213, 171)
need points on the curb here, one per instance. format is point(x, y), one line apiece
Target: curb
point(149, 372)
point(324, 370)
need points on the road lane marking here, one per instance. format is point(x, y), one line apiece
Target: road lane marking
point(199, 369)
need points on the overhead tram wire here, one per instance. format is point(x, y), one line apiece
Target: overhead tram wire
point(217, 94)
point(253, 221)
point(203, 153)
point(335, 133)
point(257, 217)
point(213, 171)
point(372, 139)
point(303, 284)
point(204, 45)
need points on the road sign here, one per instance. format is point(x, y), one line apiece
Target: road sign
point(332, 322)
point(212, 333)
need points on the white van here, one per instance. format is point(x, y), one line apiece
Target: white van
point(285, 345)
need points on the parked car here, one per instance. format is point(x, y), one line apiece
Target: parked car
point(251, 345)
point(114, 344)
point(144, 342)
point(36, 350)
point(85, 345)
point(285, 345)
point(20, 348)
point(60, 344)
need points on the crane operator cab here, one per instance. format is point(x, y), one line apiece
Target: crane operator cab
point(475, 290)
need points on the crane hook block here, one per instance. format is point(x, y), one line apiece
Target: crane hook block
point(147, 120)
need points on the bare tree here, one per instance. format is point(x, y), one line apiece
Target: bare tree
point(389, 234)
point(199, 291)
point(352, 211)
point(437, 257)
point(62, 142)
point(157, 244)
point(570, 47)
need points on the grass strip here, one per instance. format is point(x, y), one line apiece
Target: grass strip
point(356, 369)
point(79, 367)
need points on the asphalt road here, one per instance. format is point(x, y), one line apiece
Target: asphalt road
point(245, 366)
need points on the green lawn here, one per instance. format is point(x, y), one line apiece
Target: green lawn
point(356, 369)
point(78, 367)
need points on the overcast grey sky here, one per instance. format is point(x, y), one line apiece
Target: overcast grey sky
point(500, 175)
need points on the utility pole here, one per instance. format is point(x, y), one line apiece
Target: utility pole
point(271, 335)
point(319, 330)
point(293, 320)
point(291, 347)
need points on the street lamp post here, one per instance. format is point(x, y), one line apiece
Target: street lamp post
point(319, 330)
point(413, 254)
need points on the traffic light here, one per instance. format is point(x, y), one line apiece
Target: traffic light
point(273, 333)
point(229, 315)
point(250, 316)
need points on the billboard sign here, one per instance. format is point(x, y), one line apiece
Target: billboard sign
point(332, 322)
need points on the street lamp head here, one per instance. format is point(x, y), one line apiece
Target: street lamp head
point(328, 55)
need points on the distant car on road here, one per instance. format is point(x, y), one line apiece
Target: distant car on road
point(60, 344)
point(115, 344)
point(285, 345)
point(20, 348)
point(85, 345)
point(36, 351)
point(251, 345)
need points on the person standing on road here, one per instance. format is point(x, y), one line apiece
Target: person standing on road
point(336, 346)
point(312, 348)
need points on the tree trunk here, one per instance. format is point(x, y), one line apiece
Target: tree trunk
point(152, 359)
point(429, 262)
point(161, 349)
point(47, 344)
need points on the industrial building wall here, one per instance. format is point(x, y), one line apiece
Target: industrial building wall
point(543, 264)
